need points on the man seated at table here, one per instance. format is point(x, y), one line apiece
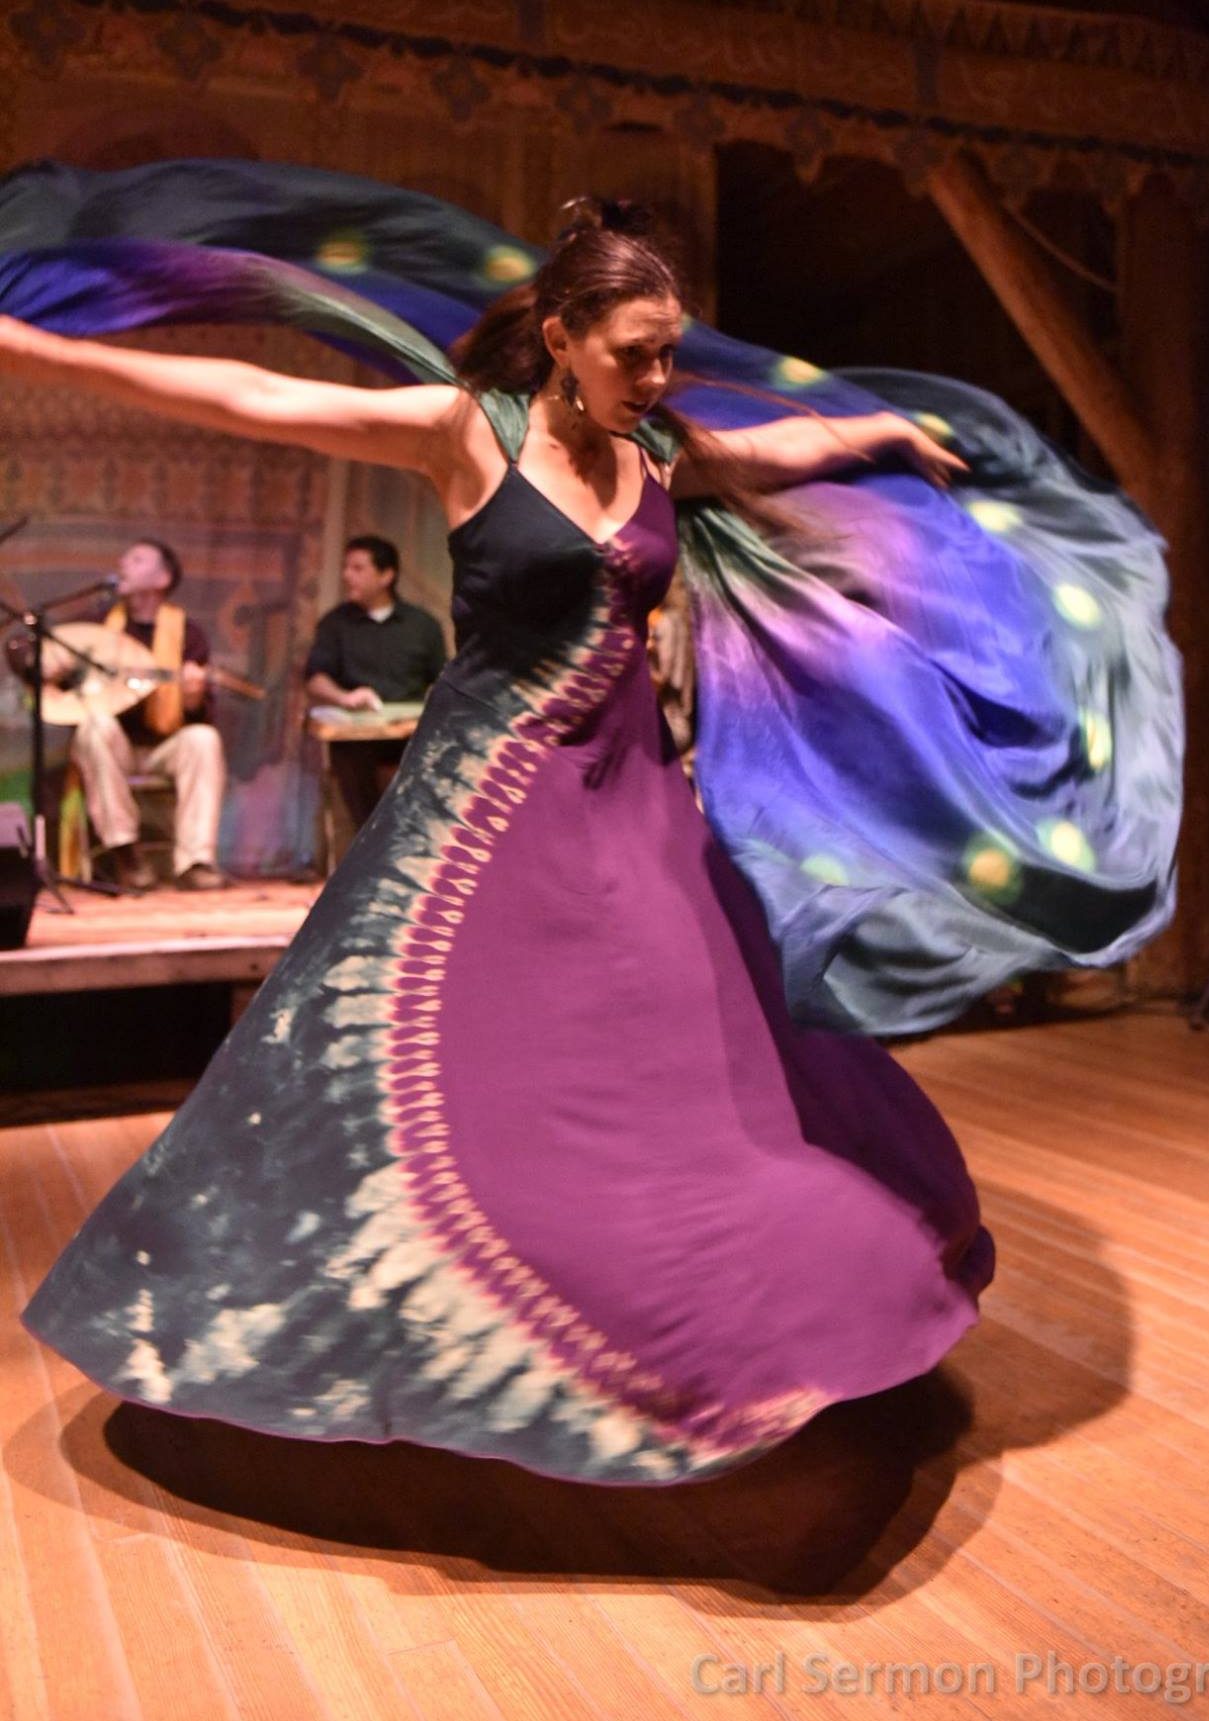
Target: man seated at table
point(371, 649)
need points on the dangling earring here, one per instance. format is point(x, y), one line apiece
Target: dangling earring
point(568, 387)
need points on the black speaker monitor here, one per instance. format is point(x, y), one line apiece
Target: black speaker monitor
point(18, 882)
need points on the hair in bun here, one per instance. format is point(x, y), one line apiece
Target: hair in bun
point(587, 214)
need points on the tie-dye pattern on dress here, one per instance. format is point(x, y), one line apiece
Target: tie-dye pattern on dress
point(517, 1151)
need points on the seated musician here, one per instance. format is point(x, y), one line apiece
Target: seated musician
point(170, 732)
point(369, 650)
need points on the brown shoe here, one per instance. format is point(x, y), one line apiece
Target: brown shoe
point(131, 868)
point(201, 876)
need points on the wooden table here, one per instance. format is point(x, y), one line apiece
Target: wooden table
point(393, 722)
point(327, 723)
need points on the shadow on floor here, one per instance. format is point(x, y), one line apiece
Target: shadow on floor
point(853, 1497)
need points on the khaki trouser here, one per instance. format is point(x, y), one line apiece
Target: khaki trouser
point(193, 758)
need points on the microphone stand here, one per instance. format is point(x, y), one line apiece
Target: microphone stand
point(34, 619)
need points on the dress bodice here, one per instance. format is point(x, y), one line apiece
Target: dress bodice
point(521, 566)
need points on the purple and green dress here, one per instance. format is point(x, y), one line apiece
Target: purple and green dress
point(518, 1151)
point(543, 1142)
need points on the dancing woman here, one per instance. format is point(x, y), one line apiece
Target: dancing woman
point(519, 1151)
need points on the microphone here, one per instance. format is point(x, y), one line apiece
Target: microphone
point(111, 583)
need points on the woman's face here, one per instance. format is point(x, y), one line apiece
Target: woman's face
point(623, 363)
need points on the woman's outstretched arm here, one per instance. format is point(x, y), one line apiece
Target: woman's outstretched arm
point(794, 450)
point(415, 427)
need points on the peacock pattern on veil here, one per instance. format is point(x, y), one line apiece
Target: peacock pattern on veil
point(943, 741)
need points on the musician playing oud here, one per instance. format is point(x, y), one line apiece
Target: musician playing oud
point(368, 651)
point(170, 731)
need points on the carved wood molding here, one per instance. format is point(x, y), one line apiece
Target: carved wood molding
point(1034, 93)
point(1039, 33)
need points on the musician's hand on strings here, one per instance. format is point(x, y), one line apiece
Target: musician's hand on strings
point(19, 652)
point(361, 699)
point(193, 685)
point(58, 664)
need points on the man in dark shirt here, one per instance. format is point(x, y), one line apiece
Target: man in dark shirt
point(170, 731)
point(371, 649)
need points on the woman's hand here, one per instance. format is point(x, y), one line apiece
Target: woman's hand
point(905, 440)
point(808, 446)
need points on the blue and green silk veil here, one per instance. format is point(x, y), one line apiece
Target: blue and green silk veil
point(939, 733)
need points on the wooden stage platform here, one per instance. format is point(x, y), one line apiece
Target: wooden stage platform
point(1038, 1504)
point(167, 937)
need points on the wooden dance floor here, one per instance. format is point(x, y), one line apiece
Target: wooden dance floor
point(1033, 1517)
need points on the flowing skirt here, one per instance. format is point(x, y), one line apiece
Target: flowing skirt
point(518, 1152)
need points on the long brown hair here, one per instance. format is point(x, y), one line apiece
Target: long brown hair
point(606, 255)
point(603, 257)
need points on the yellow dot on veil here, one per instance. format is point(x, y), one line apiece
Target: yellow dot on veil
point(1066, 842)
point(507, 264)
point(826, 868)
point(345, 253)
point(935, 426)
point(1077, 604)
point(993, 516)
point(1097, 739)
point(991, 867)
point(796, 373)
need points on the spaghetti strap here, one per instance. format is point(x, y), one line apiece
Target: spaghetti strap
point(661, 445)
point(508, 416)
point(652, 466)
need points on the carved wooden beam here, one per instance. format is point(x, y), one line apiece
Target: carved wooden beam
point(1164, 286)
point(1018, 273)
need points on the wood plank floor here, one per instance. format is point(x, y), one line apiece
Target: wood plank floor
point(258, 907)
point(1038, 1504)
